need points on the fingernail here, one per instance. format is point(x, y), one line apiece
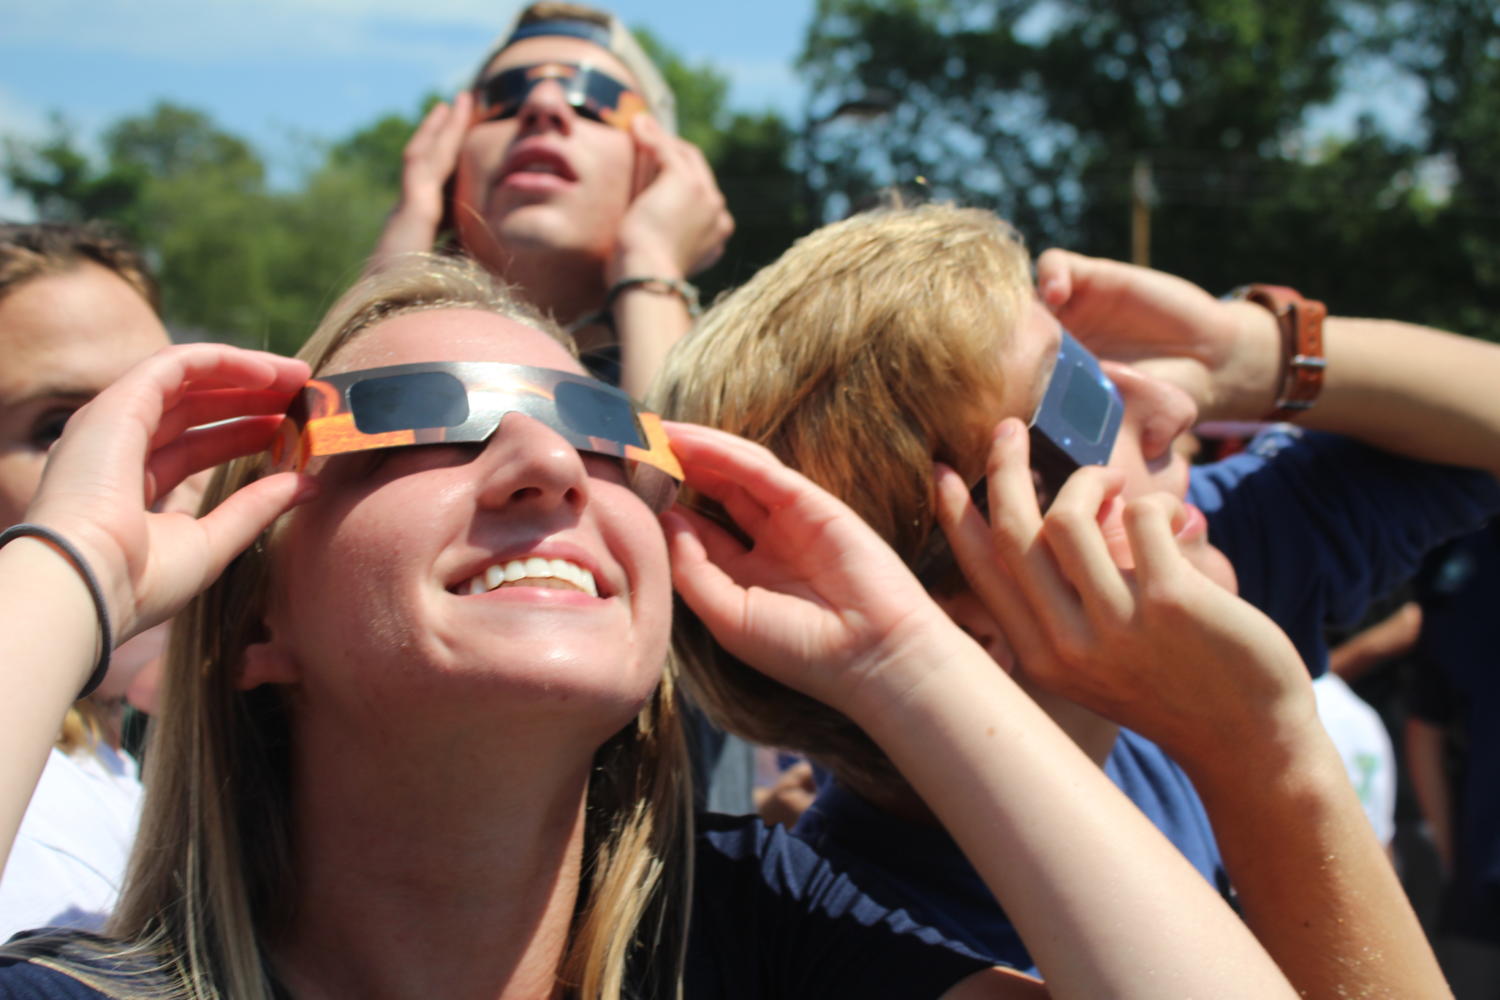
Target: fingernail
point(1006, 429)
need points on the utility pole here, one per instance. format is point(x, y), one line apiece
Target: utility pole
point(1142, 197)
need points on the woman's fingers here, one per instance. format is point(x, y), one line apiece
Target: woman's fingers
point(699, 578)
point(736, 461)
point(719, 546)
point(205, 447)
point(199, 407)
point(233, 525)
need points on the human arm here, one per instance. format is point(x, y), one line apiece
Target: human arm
point(130, 445)
point(676, 226)
point(426, 164)
point(818, 602)
point(1387, 638)
point(1174, 656)
point(1426, 764)
point(1431, 708)
point(1405, 388)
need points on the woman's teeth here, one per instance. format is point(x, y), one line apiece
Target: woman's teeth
point(535, 571)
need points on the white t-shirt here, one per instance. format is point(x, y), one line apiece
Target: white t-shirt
point(1365, 745)
point(70, 854)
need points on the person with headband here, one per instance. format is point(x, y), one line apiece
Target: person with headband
point(415, 756)
point(896, 338)
point(560, 170)
point(78, 307)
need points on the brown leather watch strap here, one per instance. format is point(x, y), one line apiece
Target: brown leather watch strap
point(1301, 323)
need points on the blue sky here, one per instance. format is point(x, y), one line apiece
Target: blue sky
point(282, 72)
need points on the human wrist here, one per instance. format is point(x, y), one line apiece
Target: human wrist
point(1301, 360)
point(1246, 387)
point(48, 560)
point(685, 292)
point(1285, 745)
point(915, 676)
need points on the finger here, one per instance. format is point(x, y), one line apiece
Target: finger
point(1071, 530)
point(707, 589)
point(454, 127)
point(1054, 278)
point(103, 433)
point(233, 525)
point(199, 407)
point(720, 547)
point(647, 134)
point(734, 460)
point(1016, 525)
point(204, 448)
point(1151, 524)
point(969, 536)
point(427, 131)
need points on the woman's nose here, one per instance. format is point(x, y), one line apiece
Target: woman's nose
point(1159, 410)
point(530, 464)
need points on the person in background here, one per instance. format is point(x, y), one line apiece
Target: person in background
point(77, 309)
point(1452, 742)
point(560, 170)
point(879, 344)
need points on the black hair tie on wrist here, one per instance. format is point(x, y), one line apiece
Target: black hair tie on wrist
point(106, 637)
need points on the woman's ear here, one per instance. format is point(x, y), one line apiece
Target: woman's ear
point(970, 614)
point(267, 660)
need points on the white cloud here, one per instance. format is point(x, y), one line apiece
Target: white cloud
point(17, 118)
point(205, 30)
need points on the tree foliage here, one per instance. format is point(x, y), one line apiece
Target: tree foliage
point(1042, 109)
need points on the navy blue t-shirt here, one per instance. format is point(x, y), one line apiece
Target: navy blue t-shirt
point(1316, 526)
point(770, 919)
point(1458, 683)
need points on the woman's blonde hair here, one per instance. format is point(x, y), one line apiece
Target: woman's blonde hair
point(209, 878)
point(869, 349)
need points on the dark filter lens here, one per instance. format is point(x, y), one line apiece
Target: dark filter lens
point(408, 402)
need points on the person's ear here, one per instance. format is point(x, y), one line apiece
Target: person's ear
point(267, 660)
point(969, 613)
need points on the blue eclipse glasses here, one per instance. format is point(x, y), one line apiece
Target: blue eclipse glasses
point(1075, 424)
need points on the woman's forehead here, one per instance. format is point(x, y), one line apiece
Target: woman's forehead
point(451, 335)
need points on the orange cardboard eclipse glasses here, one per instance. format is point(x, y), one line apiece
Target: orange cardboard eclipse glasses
point(455, 402)
point(592, 93)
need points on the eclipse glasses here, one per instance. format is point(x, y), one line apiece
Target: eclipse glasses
point(458, 402)
point(1074, 425)
point(592, 93)
point(1078, 419)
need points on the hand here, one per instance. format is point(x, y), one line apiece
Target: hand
point(818, 601)
point(1158, 647)
point(1226, 355)
point(677, 223)
point(429, 159)
point(169, 417)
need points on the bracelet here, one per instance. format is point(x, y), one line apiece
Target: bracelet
point(1301, 324)
point(106, 637)
point(684, 290)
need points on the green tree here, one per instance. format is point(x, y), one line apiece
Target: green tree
point(1453, 48)
point(1041, 109)
point(750, 154)
point(63, 185)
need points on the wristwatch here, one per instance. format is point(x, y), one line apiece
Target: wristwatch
point(1301, 324)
